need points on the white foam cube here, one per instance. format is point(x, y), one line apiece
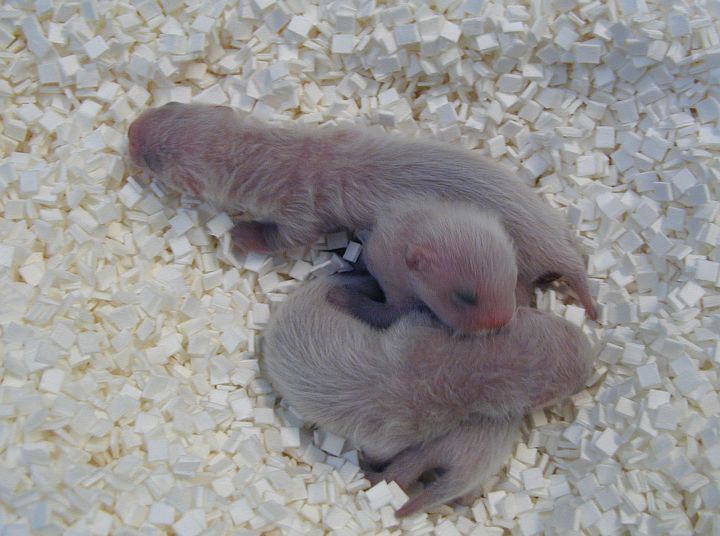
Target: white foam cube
point(192, 523)
point(379, 495)
point(299, 28)
point(407, 34)
point(565, 37)
point(332, 444)
point(96, 47)
point(52, 380)
point(648, 376)
point(343, 43)
point(161, 514)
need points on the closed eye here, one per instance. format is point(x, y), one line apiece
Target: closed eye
point(464, 297)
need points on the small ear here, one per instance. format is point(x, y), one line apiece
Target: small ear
point(417, 259)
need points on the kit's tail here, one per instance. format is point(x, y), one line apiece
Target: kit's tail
point(577, 280)
point(579, 283)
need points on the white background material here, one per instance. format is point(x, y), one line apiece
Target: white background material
point(129, 393)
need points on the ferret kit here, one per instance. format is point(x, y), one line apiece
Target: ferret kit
point(429, 360)
point(295, 182)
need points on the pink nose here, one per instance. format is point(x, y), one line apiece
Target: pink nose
point(495, 320)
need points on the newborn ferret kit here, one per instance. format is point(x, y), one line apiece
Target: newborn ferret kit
point(428, 361)
point(296, 182)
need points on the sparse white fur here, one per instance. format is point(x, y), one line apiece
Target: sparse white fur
point(413, 382)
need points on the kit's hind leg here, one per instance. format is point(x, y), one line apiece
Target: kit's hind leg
point(463, 458)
